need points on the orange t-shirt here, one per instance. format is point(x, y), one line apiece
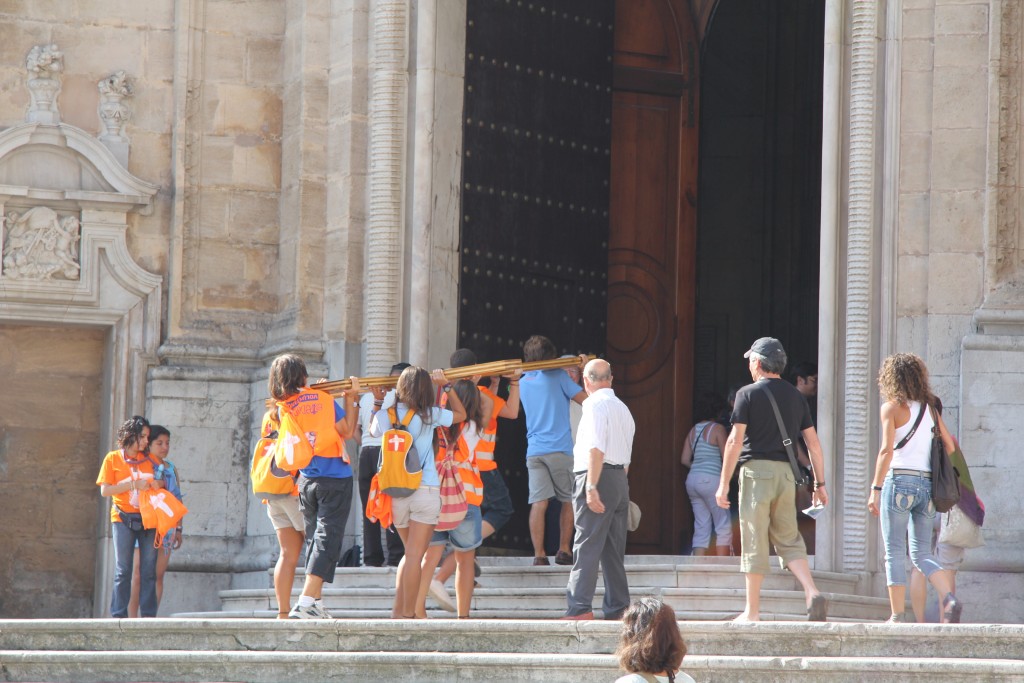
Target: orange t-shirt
point(116, 470)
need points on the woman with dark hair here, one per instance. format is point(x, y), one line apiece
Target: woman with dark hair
point(462, 439)
point(702, 453)
point(651, 648)
point(901, 490)
point(325, 487)
point(123, 474)
point(165, 471)
point(416, 515)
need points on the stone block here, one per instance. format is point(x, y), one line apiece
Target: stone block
point(945, 335)
point(965, 51)
point(213, 212)
point(259, 17)
point(207, 515)
point(955, 282)
point(913, 222)
point(185, 591)
point(960, 98)
point(223, 57)
point(152, 109)
point(244, 109)
point(257, 167)
point(124, 13)
point(917, 55)
point(971, 19)
point(217, 163)
point(918, 23)
point(17, 37)
point(916, 102)
point(915, 162)
point(912, 293)
point(185, 389)
point(51, 454)
point(252, 216)
point(150, 159)
point(957, 221)
point(78, 100)
point(159, 63)
point(24, 516)
point(959, 159)
point(14, 98)
point(263, 61)
point(34, 403)
point(122, 47)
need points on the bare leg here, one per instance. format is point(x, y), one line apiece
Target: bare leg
point(918, 594)
point(162, 560)
point(700, 552)
point(291, 541)
point(447, 568)
point(430, 559)
point(133, 602)
point(464, 581)
point(537, 512)
point(568, 528)
point(753, 610)
point(416, 537)
point(802, 571)
point(897, 599)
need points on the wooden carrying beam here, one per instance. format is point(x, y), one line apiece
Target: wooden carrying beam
point(500, 367)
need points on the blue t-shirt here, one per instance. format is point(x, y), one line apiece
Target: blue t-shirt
point(333, 468)
point(422, 436)
point(545, 396)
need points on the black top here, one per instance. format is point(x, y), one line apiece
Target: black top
point(762, 440)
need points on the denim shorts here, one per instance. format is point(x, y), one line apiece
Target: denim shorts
point(466, 536)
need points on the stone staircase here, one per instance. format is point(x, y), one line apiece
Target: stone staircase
point(538, 651)
point(710, 588)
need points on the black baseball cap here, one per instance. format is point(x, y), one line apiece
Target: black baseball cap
point(769, 348)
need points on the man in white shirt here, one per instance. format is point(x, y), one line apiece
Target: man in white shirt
point(601, 457)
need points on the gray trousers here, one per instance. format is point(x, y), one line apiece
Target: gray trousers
point(600, 538)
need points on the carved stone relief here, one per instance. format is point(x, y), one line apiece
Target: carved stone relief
point(39, 244)
point(114, 112)
point(44, 64)
point(1006, 261)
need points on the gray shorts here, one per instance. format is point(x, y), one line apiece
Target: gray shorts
point(423, 506)
point(285, 513)
point(949, 556)
point(550, 475)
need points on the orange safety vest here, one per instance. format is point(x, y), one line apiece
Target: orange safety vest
point(314, 411)
point(489, 435)
point(469, 473)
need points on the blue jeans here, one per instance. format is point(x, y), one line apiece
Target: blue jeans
point(907, 502)
point(124, 560)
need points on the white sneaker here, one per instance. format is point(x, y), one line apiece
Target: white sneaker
point(440, 595)
point(313, 611)
point(319, 604)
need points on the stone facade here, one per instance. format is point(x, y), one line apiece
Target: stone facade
point(283, 176)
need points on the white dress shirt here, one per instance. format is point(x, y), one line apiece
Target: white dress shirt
point(606, 425)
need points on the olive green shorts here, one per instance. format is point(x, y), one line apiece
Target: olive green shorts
point(768, 516)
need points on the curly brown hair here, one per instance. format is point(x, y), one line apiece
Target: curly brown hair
point(904, 378)
point(650, 641)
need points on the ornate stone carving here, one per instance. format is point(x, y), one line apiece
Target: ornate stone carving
point(1005, 263)
point(40, 245)
point(44, 64)
point(114, 113)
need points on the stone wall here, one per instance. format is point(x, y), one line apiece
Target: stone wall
point(50, 453)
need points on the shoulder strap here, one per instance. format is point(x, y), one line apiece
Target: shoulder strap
point(696, 438)
point(786, 441)
point(906, 439)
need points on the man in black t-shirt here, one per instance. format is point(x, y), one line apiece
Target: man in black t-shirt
point(767, 483)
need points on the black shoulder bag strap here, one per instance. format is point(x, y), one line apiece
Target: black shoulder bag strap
point(910, 435)
point(786, 441)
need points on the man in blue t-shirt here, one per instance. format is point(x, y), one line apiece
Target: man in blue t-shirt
point(545, 397)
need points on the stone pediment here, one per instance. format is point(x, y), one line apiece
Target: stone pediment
point(64, 166)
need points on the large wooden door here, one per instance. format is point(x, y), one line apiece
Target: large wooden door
point(651, 254)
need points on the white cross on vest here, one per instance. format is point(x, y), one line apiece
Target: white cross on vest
point(396, 442)
point(157, 501)
point(289, 448)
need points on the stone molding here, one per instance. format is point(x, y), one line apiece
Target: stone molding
point(1004, 250)
point(861, 221)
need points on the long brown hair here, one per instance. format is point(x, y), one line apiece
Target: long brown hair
point(470, 396)
point(650, 641)
point(416, 390)
point(287, 376)
point(904, 378)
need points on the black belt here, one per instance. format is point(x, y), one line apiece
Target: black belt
point(607, 467)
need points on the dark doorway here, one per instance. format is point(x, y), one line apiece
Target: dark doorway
point(759, 192)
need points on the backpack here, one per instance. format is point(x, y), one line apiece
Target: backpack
point(161, 511)
point(399, 470)
point(293, 449)
point(453, 493)
point(265, 475)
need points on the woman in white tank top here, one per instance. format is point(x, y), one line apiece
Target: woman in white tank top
point(901, 490)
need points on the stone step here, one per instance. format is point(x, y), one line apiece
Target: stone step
point(529, 602)
point(964, 641)
point(704, 575)
point(431, 667)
